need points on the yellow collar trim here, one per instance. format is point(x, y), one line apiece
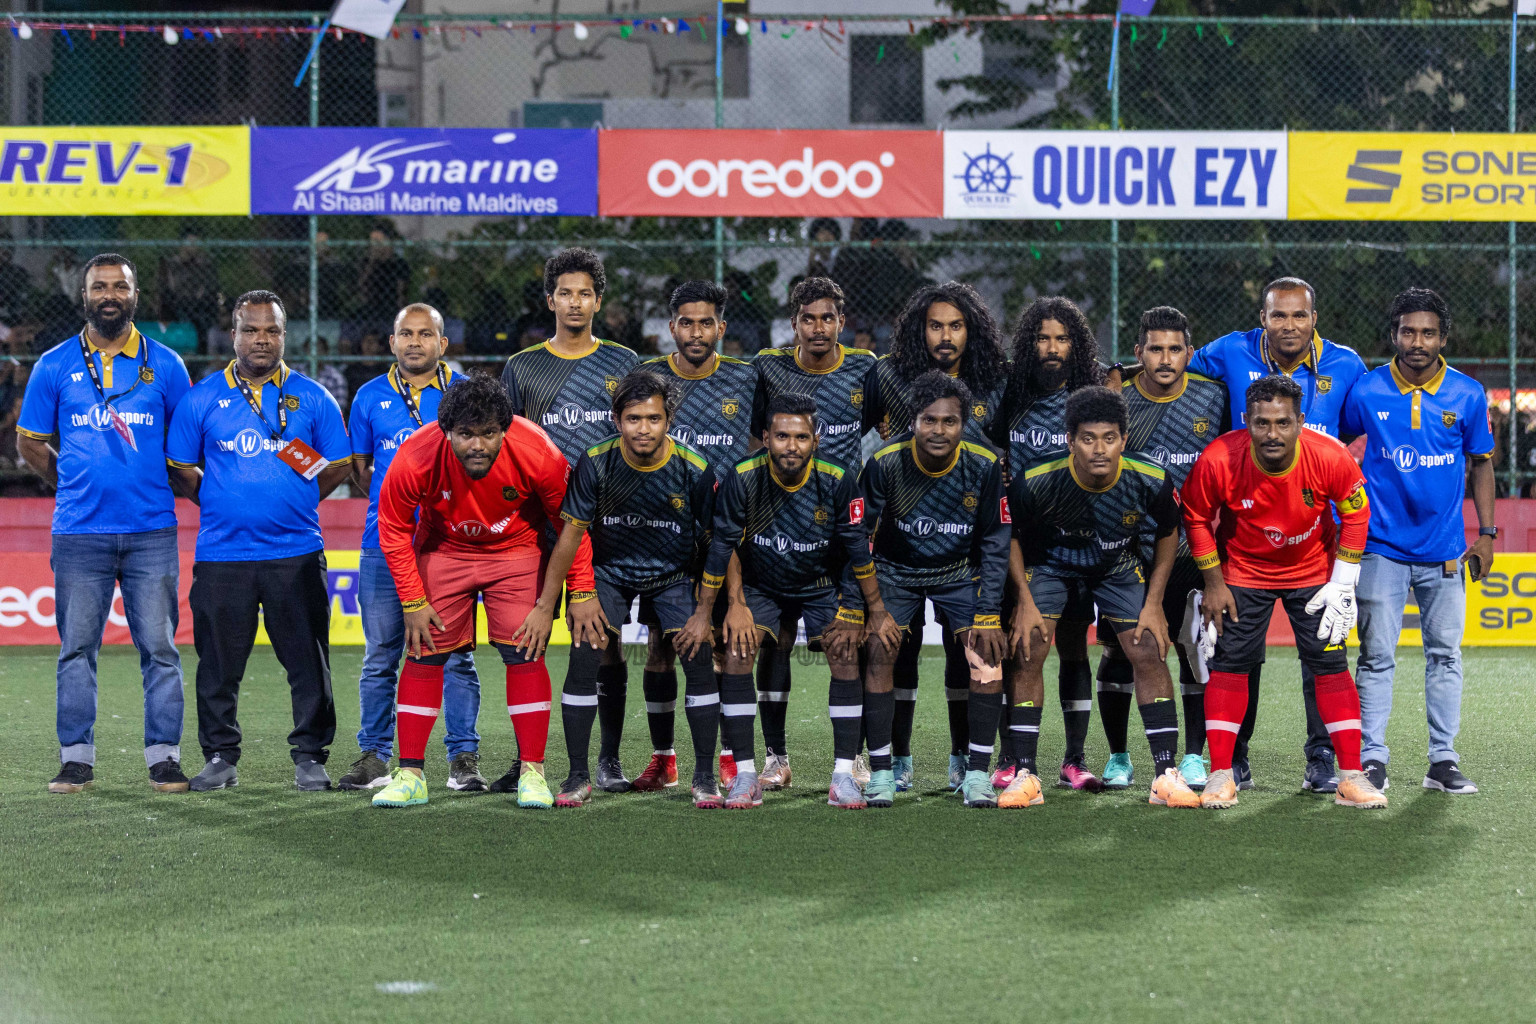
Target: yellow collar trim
point(1432, 385)
point(1295, 460)
point(550, 347)
point(396, 378)
point(279, 378)
point(1310, 358)
point(671, 448)
point(1072, 468)
point(1183, 386)
point(842, 353)
point(130, 347)
point(943, 472)
point(713, 366)
point(810, 466)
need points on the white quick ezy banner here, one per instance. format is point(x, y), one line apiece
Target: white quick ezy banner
point(1097, 175)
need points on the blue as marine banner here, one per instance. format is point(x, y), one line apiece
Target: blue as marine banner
point(443, 171)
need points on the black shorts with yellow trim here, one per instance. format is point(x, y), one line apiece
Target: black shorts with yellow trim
point(668, 607)
point(1241, 646)
point(1184, 578)
point(953, 603)
point(770, 611)
point(1119, 597)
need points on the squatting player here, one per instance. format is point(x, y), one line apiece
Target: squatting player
point(935, 505)
point(487, 485)
point(646, 501)
point(1174, 415)
point(1080, 524)
point(793, 523)
point(1272, 486)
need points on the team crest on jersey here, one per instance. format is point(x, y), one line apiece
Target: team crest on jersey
point(821, 516)
point(509, 493)
point(611, 383)
point(148, 376)
point(979, 410)
point(1201, 426)
point(1324, 385)
point(729, 407)
point(292, 402)
point(678, 501)
point(968, 500)
point(856, 398)
point(1448, 418)
point(1307, 499)
point(1130, 518)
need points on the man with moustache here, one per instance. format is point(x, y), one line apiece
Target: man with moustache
point(272, 445)
point(108, 394)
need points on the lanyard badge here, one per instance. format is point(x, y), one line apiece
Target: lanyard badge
point(404, 387)
point(119, 424)
point(300, 457)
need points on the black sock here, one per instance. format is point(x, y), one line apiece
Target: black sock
point(661, 707)
point(1161, 723)
point(901, 722)
point(773, 696)
point(1024, 724)
point(701, 705)
point(612, 694)
point(1116, 684)
point(957, 692)
point(419, 763)
point(1194, 709)
point(983, 709)
point(725, 745)
point(1074, 681)
point(879, 709)
point(845, 706)
point(578, 705)
point(1245, 731)
point(737, 713)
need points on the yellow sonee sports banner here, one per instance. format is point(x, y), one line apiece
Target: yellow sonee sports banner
point(125, 170)
point(1412, 176)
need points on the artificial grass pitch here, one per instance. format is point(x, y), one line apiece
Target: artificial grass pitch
point(266, 904)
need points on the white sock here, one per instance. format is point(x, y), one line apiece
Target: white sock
point(747, 767)
point(842, 765)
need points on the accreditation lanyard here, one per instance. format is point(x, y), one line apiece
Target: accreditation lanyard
point(298, 456)
point(1274, 367)
point(251, 400)
point(118, 423)
point(403, 386)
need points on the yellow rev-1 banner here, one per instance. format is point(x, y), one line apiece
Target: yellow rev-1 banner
point(125, 170)
point(1412, 176)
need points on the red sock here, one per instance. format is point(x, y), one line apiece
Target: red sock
point(1338, 702)
point(528, 702)
point(417, 704)
point(1226, 701)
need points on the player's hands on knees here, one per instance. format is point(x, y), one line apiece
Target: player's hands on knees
point(696, 632)
point(1022, 627)
point(989, 643)
point(533, 635)
point(740, 632)
point(881, 626)
point(842, 640)
point(1219, 606)
point(1153, 621)
point(587, 623)
point(418, 631)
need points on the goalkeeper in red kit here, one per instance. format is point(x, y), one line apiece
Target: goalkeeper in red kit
point(1271, 486)
point(487, 486)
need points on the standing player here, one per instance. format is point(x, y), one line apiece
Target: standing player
point(935, 505)
point(1173, 414)
point(795, 522)
point(943, 327)
point(714, 418)
point(646, 500)
point(566, 386)
point(1272, 486)
point(486, 485)
point(386, 411)
point(1286, 342)
point(1081, 525)
point(1054, 354)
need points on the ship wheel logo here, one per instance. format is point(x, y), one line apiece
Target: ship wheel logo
point(988, 178)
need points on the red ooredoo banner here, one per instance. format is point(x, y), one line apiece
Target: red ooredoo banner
point(742, 173)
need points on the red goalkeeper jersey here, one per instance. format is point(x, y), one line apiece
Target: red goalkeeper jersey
point(1276, 532)
point(503, 515)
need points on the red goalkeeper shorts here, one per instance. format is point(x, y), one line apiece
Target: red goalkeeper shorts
point(510, 586)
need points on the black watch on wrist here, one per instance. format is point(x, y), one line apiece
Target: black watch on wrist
point(1488, 531)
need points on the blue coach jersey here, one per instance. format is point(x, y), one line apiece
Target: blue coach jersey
point(107, 485)
point(1326, 374)
point(255, 507)
point(381, 421)
point(1419, 441)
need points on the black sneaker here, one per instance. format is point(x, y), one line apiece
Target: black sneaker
point(1320, 776)
point(72, 778)
point(368, 772)
point(1447, 778)
point(1241, 773)
point(216, 774)
point(610, 776)
point(508, 782)
point(464, 773)
point(167, 777)
point(1376, 771)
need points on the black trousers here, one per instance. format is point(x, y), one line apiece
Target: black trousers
point(292, 596)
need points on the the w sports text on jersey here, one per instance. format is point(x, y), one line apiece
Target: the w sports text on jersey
point(107, 485)
point(381, 421)
point(649, 525)
point(935, 528)
point(1078, 532)
point(888, 397)
point(1326, 373)
point(1033, 430)
point(501, 516)
point(838, 393)
point(793, 541)
point(714, 416)
point(1276, 532)
point(569, 396)
point(254, 507)
point(1419, 440)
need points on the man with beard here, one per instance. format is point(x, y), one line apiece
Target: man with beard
point(1054, 354)
point(387, 411)
point(944, 327)
point(272, 445)
point(108, 393)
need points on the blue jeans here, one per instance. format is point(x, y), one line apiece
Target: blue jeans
point(1383, 593)
point(384, 631)
point(87, 567)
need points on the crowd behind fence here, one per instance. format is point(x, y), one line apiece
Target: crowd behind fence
point(342, 277)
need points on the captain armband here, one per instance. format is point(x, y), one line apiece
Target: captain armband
point(1350, 555)
point(1209, 561)
point(712, 581)
point(864, 572)
point(414, 606)
point(578, 596)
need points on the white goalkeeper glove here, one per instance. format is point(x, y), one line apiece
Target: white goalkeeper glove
point(1337, 600)
point(1197, 637)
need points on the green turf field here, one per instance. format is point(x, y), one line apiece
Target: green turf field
point(265, 904)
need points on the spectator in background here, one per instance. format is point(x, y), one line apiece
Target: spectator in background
point(432, 292)
point(15, 283)
point(13, 384)
point(189, 286)
point(748, 322)
point(371, 344)
point(824, 234)
point(536, 323)
point(621, 326)
point(382, 279)
point(331, 273)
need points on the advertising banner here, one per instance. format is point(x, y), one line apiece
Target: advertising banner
point(55, 172)
point(1096, 175)
point(741, 173)
point(381, 172)
point(1412, 176)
